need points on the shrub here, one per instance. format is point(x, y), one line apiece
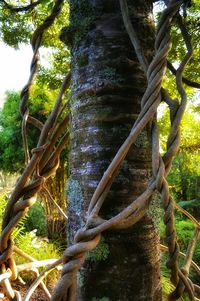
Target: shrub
point(40, 249)
point(25, 237)
point(36, 219)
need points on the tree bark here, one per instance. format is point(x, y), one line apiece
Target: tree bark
point(107, 87)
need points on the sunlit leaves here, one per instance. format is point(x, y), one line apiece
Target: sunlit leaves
point(17, 28)
point(186, 165)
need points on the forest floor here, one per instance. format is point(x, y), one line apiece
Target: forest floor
point(38, 295)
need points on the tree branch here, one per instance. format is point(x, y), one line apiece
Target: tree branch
point(21, 8)
point(185, 80)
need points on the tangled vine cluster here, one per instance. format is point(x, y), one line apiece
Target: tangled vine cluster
point(45, 160)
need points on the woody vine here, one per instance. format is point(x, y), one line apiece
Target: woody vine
point(44, 161)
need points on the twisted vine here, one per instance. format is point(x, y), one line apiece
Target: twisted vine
point(45, 160)
point(95, 225)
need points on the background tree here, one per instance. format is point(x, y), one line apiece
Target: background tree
point(17, 27)
point(184, 176)
point(12, 153)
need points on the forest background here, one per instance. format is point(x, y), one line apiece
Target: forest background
point(45, 219)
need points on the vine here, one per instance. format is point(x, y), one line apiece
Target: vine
point(45, 160)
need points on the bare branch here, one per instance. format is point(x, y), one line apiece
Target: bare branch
point(190, 250)
point(52, 199)
point(35, 264)
point(5, 275)
point(41, 277)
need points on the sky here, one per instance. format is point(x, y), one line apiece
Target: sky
point(14, 68)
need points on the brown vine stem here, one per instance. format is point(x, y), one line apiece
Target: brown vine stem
point(17, 208)
point(188, 215)
point(36, 42)
point(30, 258)
point(156, 159)
point(193, 264)
point(43, 274)
point(6, 275)
point(35, 264)
point(54, 202)
point(185, 80)
point(42, 285)
point(190, 251)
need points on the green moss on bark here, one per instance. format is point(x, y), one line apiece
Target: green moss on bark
point(143, 140)
point(100, 253)
point(82, 20)
point(155, 211)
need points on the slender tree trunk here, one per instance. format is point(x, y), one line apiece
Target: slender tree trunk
point(56, 222)
point(107, 86)
point(184, 179)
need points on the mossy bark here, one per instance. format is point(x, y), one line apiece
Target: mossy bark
point(107, 87)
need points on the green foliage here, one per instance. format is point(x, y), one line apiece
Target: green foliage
point(59, 64)
point(20, 228)
point(37, 247)
point(178, 50)
point(17, 28)
point(40, 249)
point(11, 148)
point(82, 18)
point(191, 205)
point(184, 231)
point(36, 220)
point(184, 175)
point(11, 152)
point(41, 101)
point(3, 202)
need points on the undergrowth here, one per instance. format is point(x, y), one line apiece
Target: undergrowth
point(167, 288)
point(30, 236)
point(184, 231)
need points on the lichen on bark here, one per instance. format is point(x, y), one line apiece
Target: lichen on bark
point(155, 212)
point(75, 206)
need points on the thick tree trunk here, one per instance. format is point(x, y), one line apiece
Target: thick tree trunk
point(107, 86)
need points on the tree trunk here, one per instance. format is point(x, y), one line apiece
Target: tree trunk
point(56, 222)
point(107, 87)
